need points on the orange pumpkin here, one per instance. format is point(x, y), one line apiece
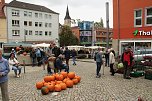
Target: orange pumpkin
point(52, 78)
point(47, 78)
point(65, 74)
point(75, 81)
point(50, 87)
point(44, 90)
point(58, 82)
point(63, 86)
point(71, 75)
point(57, 88)
point(78, 77)
point(39, 85)
point(69, 83)
point(59, 77)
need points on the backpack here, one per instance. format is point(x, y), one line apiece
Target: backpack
point(95, 56)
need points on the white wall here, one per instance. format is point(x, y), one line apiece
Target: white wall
point(54, 29)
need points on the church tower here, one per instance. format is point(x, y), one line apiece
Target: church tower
point(67, 19)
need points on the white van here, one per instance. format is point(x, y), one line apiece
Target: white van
point(140, 54)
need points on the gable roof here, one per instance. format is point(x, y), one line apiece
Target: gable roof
point(23, 5)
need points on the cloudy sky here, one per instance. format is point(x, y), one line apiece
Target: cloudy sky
point(87, 10)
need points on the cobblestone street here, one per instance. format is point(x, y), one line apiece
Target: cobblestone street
point(106, 88)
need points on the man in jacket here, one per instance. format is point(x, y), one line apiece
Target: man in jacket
point(4, 70)
point(99, 62)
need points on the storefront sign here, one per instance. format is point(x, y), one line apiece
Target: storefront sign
point(142, 33)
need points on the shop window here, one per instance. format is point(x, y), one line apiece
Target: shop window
point(138, 18)
point(148, 17)
point(15, 32)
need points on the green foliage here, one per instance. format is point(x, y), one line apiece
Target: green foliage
point(99, 24)
point(67, 38)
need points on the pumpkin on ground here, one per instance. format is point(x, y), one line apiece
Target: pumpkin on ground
point(75, 81)
point(47, 78)
point(57, 88)
point(69, 83)
point(63, 86)
point(59, 77)
point(50, 87)
point(52, 78)
point(71, 75)
point(78, 77)
point(44, 90)
point(39, 85)
point(65, 74)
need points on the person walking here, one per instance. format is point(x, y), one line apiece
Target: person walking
point(4, 70)
point(67, 56)
point(112, 61)
point(127, 58)
point(33, 57)
point(74, 54)
point(38, 56)
point(107, 58)
point(99, 62)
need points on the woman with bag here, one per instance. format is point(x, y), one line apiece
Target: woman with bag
point(14, 64)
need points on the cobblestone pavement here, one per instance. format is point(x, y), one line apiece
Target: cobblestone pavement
point(106, 88)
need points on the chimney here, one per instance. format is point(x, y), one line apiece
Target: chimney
point(2, 1)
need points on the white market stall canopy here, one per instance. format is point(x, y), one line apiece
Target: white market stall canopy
point(76, 47)
point(41, 45)
point(94, 47)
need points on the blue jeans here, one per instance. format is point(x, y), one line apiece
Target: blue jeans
point(73, 58)
point(98, 67)
point(16, 69)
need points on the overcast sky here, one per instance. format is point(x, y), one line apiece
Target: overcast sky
point(87, 10)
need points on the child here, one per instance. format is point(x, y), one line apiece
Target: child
point(50, 64)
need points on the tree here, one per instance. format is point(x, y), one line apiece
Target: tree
point(67, 38)
point(99, 24)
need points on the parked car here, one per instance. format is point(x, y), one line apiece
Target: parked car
point(140, 54)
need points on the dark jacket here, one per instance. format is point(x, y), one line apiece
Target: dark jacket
point(56, 51)
point(67, 54)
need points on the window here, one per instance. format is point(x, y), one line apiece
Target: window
point(40, 33)
point(50, 33)
point(36, 32)
point(25, 23)
point(15, 23)
point(36, 24)
point(40, 24)
point(50, 16)
point(36, 15)
point(46, 24)
point(30, 14)
point(15, 12)
point(30, 32)
point(138, 18)
point(25, 13)
point(40, 15)
point(50, 24)
point(46, 33)
point(15, 32)
point(30, 23)
point(46, 16)
point(25, 32)
point(148, 17)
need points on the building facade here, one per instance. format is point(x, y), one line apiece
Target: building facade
point(3, 24)
point(132, 24)
point(31, 23)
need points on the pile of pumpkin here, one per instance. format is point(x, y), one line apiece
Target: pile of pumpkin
point(57, 82)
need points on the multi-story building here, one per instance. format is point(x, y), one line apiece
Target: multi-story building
point(76, 32)
point(31, 23)
point(132, 24)
point(101, 37)
point(3, 25)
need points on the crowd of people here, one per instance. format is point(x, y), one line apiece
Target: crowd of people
point(57, 60)
point(126, 59)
